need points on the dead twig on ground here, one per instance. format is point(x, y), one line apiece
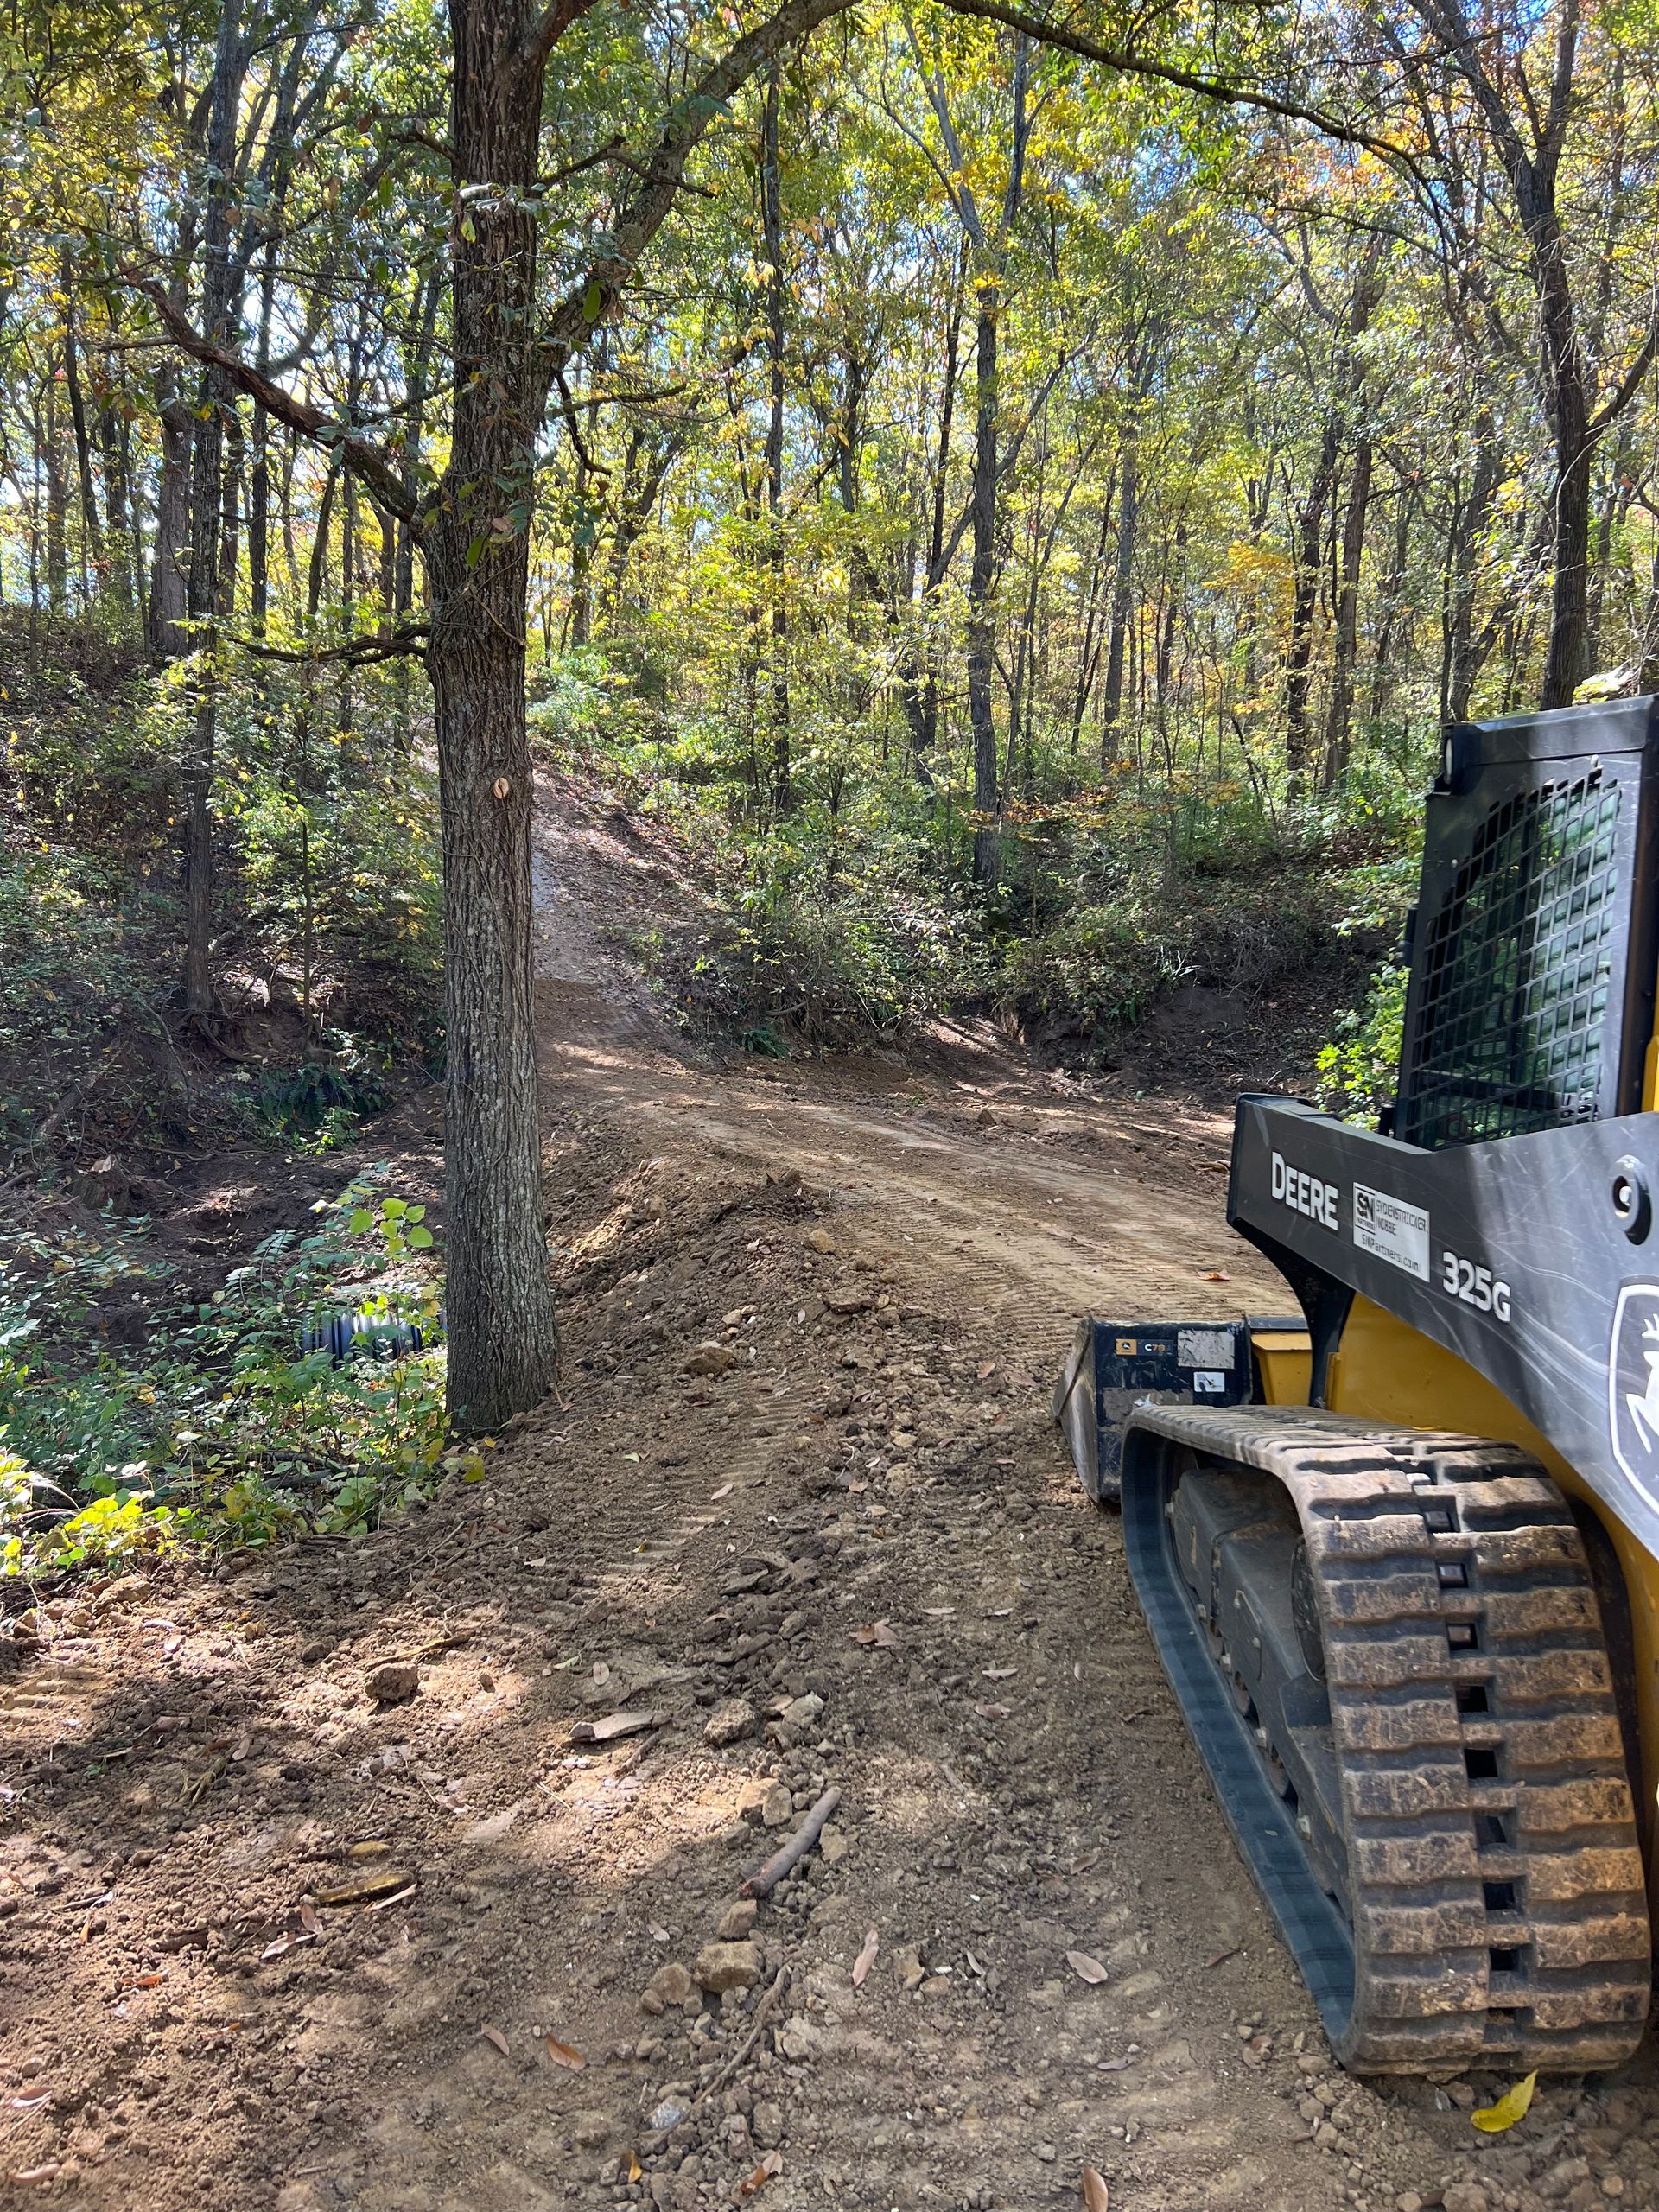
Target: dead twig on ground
point(767, 1878)
point(764, 2011)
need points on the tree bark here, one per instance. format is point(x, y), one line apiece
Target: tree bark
point(206, 517)
point(503, 1335)
point(57, 504)
point(1128, 516)
point(122, 542)
point(981, 636)
point(1338, 728)
point(783, 795)
point(169, 581)
point(91, 532)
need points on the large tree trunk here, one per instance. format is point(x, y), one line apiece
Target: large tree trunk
point(503, 1335)
point(980, 614)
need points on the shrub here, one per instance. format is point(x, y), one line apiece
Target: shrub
point(1358, 1068)
point(218, 1427)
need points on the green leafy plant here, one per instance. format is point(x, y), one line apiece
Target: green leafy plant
point(1357, 1068)
point(218, 1427)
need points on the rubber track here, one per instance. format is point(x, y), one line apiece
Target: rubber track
point(1497, 1891)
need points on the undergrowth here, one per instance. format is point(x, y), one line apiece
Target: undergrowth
point(213, 1426)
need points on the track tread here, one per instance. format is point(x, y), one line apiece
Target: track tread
point(1493, 1914)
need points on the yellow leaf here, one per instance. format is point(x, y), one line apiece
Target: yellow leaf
point(1513, 2105)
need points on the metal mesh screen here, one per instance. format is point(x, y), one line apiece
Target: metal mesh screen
point(1517, 972)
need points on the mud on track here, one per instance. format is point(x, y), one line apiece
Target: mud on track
point(858, 1500)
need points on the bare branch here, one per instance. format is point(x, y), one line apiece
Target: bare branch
point(661, 174)
point(1227, 91)
point(358, 652)
point(1628, 385)
point(364, 458)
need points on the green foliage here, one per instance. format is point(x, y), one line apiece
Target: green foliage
point(318, 1107)
point(580, 704)
point(213, 1427)
point(1094, 971)
point(68, 964)
point(823, 948)
point(1358, 1068)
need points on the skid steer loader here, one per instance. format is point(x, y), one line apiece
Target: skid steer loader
point(1400, 1553)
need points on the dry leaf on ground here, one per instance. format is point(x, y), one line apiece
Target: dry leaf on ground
point(1085, 1969)
point(1513, 2105)
point(879, 1633)
point(565, 2054)
point(866, 1959)
point(495, 2036)
point(614, 1726)
point(1217, 1275)
point(771, 2164)
point(1095, 2196)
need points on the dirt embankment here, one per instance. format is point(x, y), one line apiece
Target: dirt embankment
point(800, 1517)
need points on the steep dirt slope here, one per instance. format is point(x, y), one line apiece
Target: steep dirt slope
point(801, 1517)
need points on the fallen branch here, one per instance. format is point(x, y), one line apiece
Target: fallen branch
point(765, 1879)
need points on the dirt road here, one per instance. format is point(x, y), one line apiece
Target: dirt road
point(800, 1523)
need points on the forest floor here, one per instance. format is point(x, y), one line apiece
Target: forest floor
point(270, 1945)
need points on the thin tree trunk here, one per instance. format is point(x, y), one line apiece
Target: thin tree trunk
point(123, 547)
point(57, 503)
point(1304, 599)
point(783, 798)
point(206, 517)
point(91, 532)
point(981, 638)
point(920, 673)
point(1338, 728)
point(1128, 517)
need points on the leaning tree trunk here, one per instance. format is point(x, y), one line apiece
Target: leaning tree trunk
point(477, 551)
